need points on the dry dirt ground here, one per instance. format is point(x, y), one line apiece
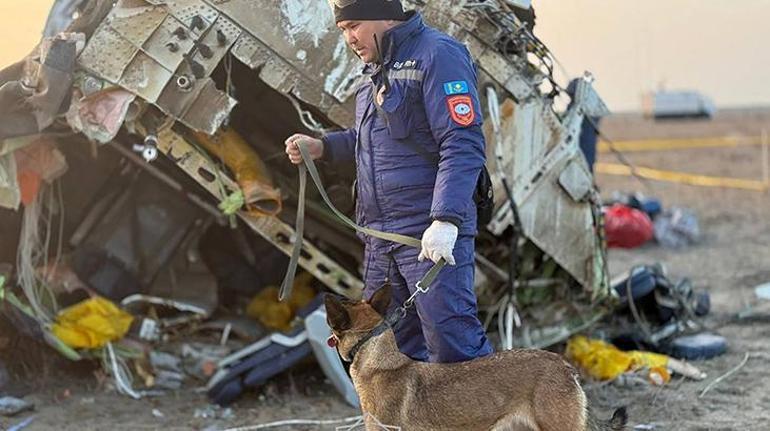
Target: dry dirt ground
point(732, 258)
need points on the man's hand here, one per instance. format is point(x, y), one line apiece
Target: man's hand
point(438, 241)
point(314, 146)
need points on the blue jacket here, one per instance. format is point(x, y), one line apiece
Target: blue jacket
point(419, 155)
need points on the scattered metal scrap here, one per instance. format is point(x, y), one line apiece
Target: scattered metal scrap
point(10, 406)
point(160, 76)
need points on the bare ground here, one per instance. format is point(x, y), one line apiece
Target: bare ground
point(732, 258)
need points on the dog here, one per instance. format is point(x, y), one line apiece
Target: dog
point(528, 389)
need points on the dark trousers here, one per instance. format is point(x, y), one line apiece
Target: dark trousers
point(443, 326)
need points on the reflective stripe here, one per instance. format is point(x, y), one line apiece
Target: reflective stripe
point(407, 74)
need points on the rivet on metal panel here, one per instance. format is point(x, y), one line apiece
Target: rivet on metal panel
point(204, 49)
point(91, 85)
point(221, 37)
point(198, 17)
point(185, 83)
point(197, 69)
point(180, 33)
point(160, 45)
point(197, 23)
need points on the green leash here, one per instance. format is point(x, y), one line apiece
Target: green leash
point(309, 166)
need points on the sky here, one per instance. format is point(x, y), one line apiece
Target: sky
point(22, 27)
point(717, 47)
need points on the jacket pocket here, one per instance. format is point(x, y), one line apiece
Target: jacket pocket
point(396, 109)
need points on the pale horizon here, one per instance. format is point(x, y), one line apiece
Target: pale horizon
point(714, 47)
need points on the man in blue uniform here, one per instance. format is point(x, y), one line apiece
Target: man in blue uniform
point(418, 149)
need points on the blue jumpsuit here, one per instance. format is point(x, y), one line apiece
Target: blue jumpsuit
point(418, 157)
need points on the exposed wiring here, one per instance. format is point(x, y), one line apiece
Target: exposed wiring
point(306, 118)
point(32, 255)
point(508, 314)
point(288, 422)
point(120, 373)
point(726, 375)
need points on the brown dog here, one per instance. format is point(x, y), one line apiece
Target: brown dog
point(530, 390)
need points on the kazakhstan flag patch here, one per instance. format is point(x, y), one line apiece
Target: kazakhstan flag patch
point(456, 87)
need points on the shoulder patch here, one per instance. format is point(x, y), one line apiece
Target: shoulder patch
point(461, 110)
point(456, 87)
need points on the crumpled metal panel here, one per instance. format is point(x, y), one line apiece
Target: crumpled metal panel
point(551, 183)
point(209, 110)
point(471, 26)
point(136, 24)
point(589, 102)
point(252, 52)
point(278, 74)
point(219, 39)
point(576, 180)
point(438, 13)
point(145, 77)
point(297, 49)
point(10, 193)
point(249, 51)
point(95, 59)
point(177, 97)
point(156, 46)
point(186, 11)
point(559, 225)
point(302, 34)
point(147, 46)
point(202, 107)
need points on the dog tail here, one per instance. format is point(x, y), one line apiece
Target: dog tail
point(616, 423)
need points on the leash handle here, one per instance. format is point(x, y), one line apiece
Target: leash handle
point(299, 229)
point(308, 166)
point(394, 237)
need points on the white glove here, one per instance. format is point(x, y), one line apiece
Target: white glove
point(438, 241)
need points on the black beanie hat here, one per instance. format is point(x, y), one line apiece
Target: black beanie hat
point(368, 10)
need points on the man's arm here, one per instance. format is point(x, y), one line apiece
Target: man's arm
point(454, 113)
point(340, 147)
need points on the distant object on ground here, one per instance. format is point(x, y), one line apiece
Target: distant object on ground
point(677, 104)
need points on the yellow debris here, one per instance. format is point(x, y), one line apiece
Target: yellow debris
point(603, 361)
point(251, 172)
point(659, 376)
point(276, 315)
point(91, 324)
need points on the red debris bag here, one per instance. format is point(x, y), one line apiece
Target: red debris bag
point(627, 227)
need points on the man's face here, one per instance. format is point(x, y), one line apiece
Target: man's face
point(360, 36)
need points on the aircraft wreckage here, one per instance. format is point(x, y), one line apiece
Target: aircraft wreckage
point(215, 86)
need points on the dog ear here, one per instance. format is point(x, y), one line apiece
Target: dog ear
point(336, 315)
point(380, 301)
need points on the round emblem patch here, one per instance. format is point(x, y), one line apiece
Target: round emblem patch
point(461, 110)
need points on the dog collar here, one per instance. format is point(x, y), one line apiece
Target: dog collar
point(387, 323)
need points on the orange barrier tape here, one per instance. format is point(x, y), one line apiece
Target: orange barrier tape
point(678, 144)
point(682, 178)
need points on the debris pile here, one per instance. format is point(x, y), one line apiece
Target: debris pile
point(159, 250)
